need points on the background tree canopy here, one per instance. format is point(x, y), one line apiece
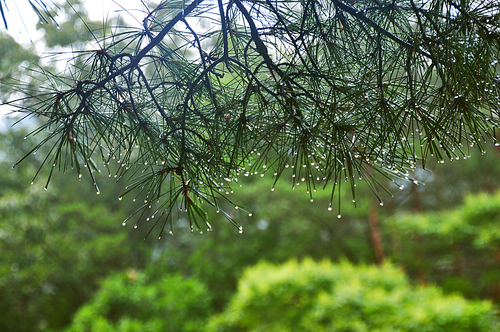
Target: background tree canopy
point(69, 266)
point(205, 92)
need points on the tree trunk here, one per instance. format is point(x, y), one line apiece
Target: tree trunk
point(496, 283)
point(417, 208)
point(376, 234)
point(457, 261)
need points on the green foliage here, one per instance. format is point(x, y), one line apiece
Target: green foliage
point(55, 245)
point(92, 243)
point(73, 27)
point(14, 61)
point(477, 218)
point(133, 302)
point(447, 184)
point(311, 296)
point(480, 215)
point(219, 116)
point(50, 263)
point(457, 248)
point(281, 227)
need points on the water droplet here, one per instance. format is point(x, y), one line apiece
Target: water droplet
point(32, 183)
point(240, 230)
point(124, 223)
point(79, 176)
point(330, 208)
point(159, 237)
point(339, 216)
point(312, 200)
point(249, 214)
point(45, 188)
point(120, 198)
point(381, 203)
point(236, 207)
point(98, 192)
point(135, 226)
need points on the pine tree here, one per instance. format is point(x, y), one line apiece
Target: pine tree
point(336, 91)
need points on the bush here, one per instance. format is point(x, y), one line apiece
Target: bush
point(312, 296)
point(130, 302)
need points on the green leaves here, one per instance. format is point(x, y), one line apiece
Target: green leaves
point(130, 302)
point(310, 296)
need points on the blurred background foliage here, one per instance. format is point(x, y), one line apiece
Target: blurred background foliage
point(133, 301)
point(311, 296)
point(13, 60)
point(67, 264)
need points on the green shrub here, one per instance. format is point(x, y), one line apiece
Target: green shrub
point(130, 302)
point(312, 296)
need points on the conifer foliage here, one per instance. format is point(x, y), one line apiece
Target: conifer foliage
point(338, 91)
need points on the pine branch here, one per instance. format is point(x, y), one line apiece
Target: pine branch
point(334, 92)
